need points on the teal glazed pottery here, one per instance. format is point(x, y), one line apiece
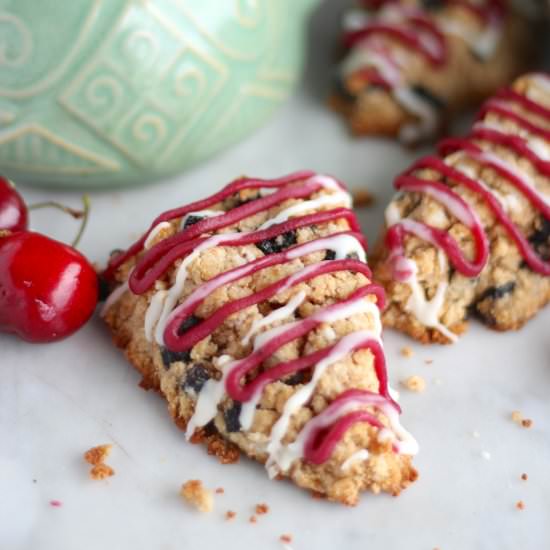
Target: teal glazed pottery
point(110, 92)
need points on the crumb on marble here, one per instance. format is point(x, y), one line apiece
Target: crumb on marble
point(219, 490)
point(253, 519)
point(526, 423)
point(524, 477)
point(194, 492)
point(286, 538)
point(262, 509)
point(362, 198)
point(97, 455)
point(407, 351)
point(414, 383)
point(428, 361)
point(520, 505)
point(101, 471)
point(230, 514)
point(517, 417)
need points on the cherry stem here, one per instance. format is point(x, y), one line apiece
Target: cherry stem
point(85, 214)
point(76, 214)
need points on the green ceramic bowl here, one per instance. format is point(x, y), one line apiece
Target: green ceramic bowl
point(109, 92)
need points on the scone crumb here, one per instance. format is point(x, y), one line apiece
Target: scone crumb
point(219, 491)
point(407, 351)
point(526, 422)
point(262, 509)
point(253, 519)
point(524, 477)
point(520, 505)
point(428, 361)
point(101, 471)
point(286, 538)
point(362, 198)
point(197, 495)
point(415, 383)
point(230, 514)
point(517, 417)
point(97, 455)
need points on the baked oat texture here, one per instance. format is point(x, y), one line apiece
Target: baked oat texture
point(464, 80)
point(180, 378)
point(507, 293)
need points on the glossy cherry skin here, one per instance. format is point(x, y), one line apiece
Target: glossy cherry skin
point(48, 290)
point(14, 215)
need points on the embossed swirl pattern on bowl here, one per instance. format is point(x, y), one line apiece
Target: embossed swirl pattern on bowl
point(124, 91)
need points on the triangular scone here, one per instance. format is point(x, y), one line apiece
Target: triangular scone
point(253, 313)
point(409, 65)
point(469, 230)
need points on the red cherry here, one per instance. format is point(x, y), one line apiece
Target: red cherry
point(13, 211)
point(48, 290)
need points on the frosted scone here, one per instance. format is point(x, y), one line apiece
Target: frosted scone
point(254, 315)
point(469, 230)
point(410, 64)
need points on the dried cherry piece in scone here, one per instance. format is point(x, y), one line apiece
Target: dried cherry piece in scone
point(169, 356)
point(278, 243)
point(196, 378)
point(192, 220)
point(497, 292)
point(231, 417)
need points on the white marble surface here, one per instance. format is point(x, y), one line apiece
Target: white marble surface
point(58, 400)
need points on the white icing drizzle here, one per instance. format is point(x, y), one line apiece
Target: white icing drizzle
point(427, 311)
point(355, 19)
point(153, 313)
point(542, 81)
point(359, 456)
point(415, 105)
point(153, 234)
point(339, 197)
point(342, 245)
point(483, 44)
point(276, 315)
point(210, 396)
point(424, 310)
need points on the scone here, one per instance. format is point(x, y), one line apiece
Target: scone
point(254, 314)
point(410, 64)
point(469, 230)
